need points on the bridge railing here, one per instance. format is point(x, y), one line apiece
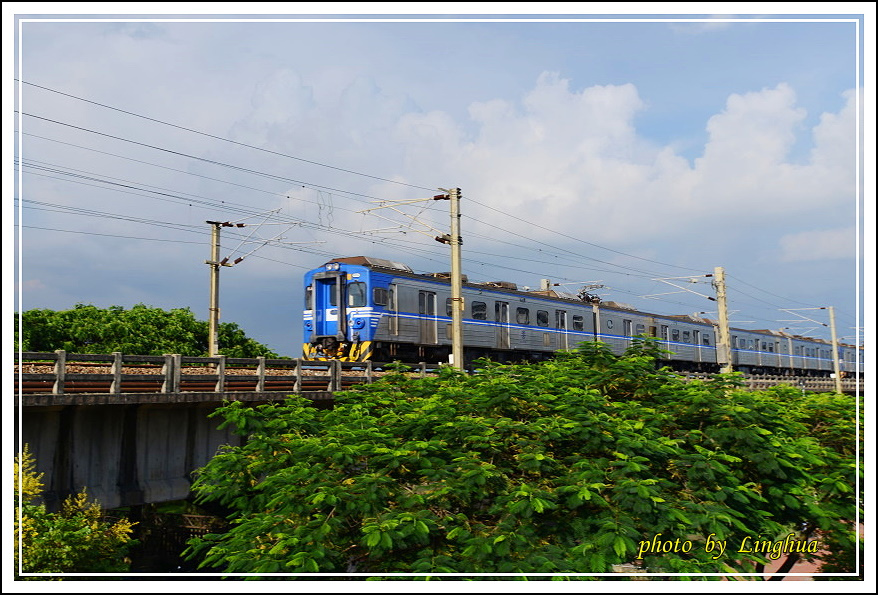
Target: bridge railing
point(61, 372)
point(807, 383)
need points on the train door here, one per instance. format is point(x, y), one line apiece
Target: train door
point(561, 325)
point(626, 328)
point(696, 340)
point(393, 309)
point(501, 317)
point(328, 321)
point(427, 316)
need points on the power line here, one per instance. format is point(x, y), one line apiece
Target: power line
point(351, 195)
point(213, 136)
point(305, 184)
point(195, 157)
point(348, 171)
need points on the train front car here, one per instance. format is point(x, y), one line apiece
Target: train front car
point(344, 300)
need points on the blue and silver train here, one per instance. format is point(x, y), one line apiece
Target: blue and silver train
point(361, 308)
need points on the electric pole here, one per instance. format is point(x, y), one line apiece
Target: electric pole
point(457, 305)
point(835, 364)
point(724, 348)
point(215, 264)
point(213, 308)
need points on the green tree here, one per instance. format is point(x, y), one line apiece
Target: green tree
point(76, 539)
point(567, 466)
point(141, 330)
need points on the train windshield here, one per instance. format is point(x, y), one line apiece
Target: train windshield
point(356, 294)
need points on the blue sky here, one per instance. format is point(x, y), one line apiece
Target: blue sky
point(623, 151)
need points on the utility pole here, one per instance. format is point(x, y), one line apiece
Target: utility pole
point(215, 264)
point(213, 309)
point(835, 364)
point(724, 349)
point(457, 305)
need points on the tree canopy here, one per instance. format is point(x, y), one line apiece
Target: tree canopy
point(589, 463)
point(141, 330)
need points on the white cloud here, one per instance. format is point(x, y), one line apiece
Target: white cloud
point(561, 158)
point(830, 244)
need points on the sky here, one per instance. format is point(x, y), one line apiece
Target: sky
point(590, 150)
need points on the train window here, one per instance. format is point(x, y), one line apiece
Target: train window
point(686, 337)
point(764, 346)
point(522, 316)
point(771, 347)
point(309, 298)
point(391, 298)
point(665, 332)
point(542, 318)
point(742, 343)
point(751, 346)
point(578, 323)
point(379, 296)
point(356, 294)
point(705, 339)
point(480, 311)
point(448, 306)
point(639, 329)
point(675, 335)
point(330, 289)
point(609, 323)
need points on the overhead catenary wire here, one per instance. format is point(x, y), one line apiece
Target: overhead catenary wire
point(342, 169)
point(568, 254)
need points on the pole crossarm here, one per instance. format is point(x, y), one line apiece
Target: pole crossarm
point(801, 317)
point(428, 230)
point(668, 281)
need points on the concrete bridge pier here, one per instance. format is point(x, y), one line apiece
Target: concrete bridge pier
point(126, 455)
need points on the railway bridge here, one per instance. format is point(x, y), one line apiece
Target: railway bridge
point(132, 429)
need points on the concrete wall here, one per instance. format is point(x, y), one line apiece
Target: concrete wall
point(122, 454)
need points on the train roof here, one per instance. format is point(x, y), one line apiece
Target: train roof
point(370, 261)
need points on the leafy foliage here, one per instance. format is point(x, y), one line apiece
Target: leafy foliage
point(560, 467)
point(142, 330)
point(74, 540)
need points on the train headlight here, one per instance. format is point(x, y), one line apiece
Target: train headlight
point(332, 266)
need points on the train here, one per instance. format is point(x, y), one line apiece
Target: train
point(363, 308)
